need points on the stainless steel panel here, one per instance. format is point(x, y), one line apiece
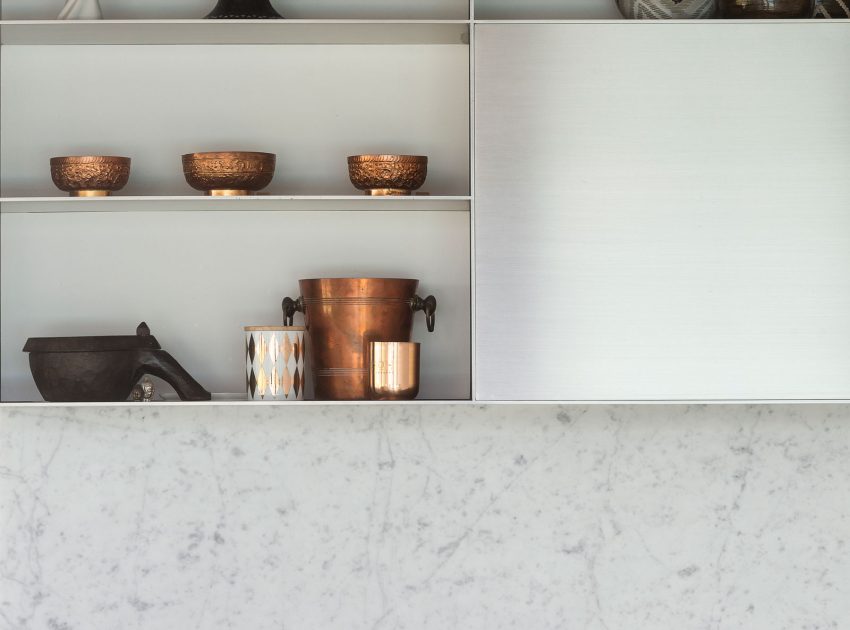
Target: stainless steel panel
point(662, 211)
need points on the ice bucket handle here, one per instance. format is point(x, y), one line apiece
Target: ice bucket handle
point(429, 305)
point(289, 307)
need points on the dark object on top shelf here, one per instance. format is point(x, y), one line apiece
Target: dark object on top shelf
point(104, 369)
point(765, 9)
point(244, 10)
point(832, 9)
point(667, 9)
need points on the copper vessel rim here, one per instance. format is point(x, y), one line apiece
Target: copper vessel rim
point(85, 158)
point(218, 155)
point(275, 328)
point(356, 278)
point(386, 157)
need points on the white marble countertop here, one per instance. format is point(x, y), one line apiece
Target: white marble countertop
point(425, 517)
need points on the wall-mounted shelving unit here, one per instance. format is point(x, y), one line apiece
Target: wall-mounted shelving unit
point(586, 238)
point(335, 80)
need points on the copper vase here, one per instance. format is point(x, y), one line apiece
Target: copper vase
point(343, 315)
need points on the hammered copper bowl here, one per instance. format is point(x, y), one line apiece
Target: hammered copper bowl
point(90, 175)
point(387, 174)
point(229, 173)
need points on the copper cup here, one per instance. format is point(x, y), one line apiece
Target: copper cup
point(393, 370)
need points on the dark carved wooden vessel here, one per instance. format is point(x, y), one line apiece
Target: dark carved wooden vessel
point(104, 369)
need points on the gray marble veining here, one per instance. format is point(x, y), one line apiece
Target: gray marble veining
point(425, 517)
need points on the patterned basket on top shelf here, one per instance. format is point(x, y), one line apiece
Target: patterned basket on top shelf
point(667, 9)
point(832, 9)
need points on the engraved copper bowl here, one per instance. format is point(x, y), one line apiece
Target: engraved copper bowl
point(387, 174)
point(229, 173)
point(90, 175)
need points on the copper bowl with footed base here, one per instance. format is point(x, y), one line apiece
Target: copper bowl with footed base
point(387, 174)
point(90, 175)
point(229, 173)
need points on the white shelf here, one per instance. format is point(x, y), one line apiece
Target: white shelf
point(253, 203)
point(195, 32)
point(131, 32)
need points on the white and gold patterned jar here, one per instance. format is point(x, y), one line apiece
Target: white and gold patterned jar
point(274, 360)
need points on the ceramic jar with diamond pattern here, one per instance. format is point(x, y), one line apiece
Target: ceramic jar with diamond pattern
point(667, 9)
point(274, 362)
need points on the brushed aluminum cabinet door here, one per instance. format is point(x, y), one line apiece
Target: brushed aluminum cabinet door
point(662, 211)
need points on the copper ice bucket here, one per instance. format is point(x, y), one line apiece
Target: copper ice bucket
point(342, 316)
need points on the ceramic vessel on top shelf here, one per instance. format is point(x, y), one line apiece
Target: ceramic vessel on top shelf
point(765, 9)
point(832, 9)
point(81, 10)
point(667, 9)
point(243, 10)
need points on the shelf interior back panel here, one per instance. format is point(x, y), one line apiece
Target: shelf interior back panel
point(198, 278)
point(311, 105)
point(293, 9)
point(663, 212)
